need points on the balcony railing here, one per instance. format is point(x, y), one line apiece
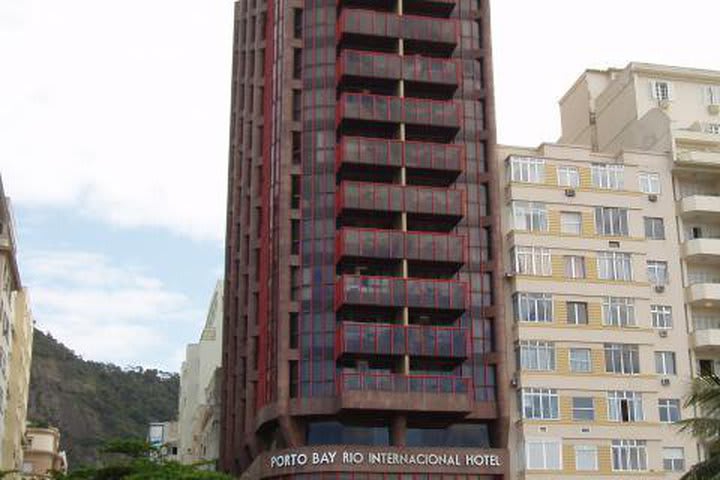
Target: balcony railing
point(414, 68)
point(390, 25)
point(416, 340)
point(396, 154)
point(413, 111)
point(399, 292)
point(383, 197)
point(390, 244)
point(398, 383)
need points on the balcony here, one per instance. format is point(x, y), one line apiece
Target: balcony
point(368, 23)
point(382, 197)
point(387, 66)
point(702, 250)
point(698, 206)
point(389, 244)
point(446, 160)
point(706, 341)
point(707, 294)
point(394, 292)
point(388, 109)
point(392, 391)
point(698, 158)
point(354, 338)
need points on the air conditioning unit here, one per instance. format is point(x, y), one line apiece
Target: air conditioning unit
point(714, 108)
point(659, 288)
point(514, 381)
point(510, 275)
point(569, 192)
point(614, 244)
point(663, 333)
point(652, 197)
point(665, 382)
point(664, 104)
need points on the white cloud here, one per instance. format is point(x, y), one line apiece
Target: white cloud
point(108, 312)
point(118, 109)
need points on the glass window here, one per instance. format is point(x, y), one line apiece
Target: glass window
point(629, 455)
point(665, 363)
point(580, 360)
point(649, 183)
point(661, 316)
point(618, 311)
point(577, 313)
point(586, 458)
point(336, 433)
point(537, 356)
point(624, 406)
point(571, 223)
point(543, 455)
point(669, 410)
point(530, 216)
point(539, 404)
point(614, 266)
point(712, 94)
point(611, 221)
point(568, 177)
point(466, 435)
point(532, 261)
point(673, 459)
point(574, 266)
point(607, 177)
point(533, 307)
point(583, 409)
point(657, 272)
point(654, 228)
point(621, 358)
point(527, 169)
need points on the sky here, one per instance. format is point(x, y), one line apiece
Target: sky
point(114, 137)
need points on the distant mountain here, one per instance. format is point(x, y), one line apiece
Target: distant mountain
point(92, 402)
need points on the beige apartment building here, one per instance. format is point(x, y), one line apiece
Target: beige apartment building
point(612, 242)
point(42, 453)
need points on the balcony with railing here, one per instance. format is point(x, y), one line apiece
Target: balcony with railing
point(359, 290)
point(389, 109)
point(391, 244)
point(394, 391)
point(383, 197)
point(369, 23)
point(360, 338)
point(389, 66)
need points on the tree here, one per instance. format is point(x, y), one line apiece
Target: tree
point(705, 426)
point(136, 459)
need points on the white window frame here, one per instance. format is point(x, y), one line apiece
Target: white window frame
point(551, 452)
point(633, 406)
point(629, 455)
point(622, 358)
point(586, 452)
point(585, 361)
point(657, 272)
point(616, 266)
point(534, 261)
point(530, 216)
point(656, 230)
point(673, 459)
point(619, 312)
point(661, 90)
point(539, 404)
point(607, 176)
point(537, 356)
point(611, 221)
point(571, 223)
point(669, 408)
point(649, 183)
point(573, 312)
point(665, 363)
point(568, 177)
point(712, 94)
point(574, 266)
point(527, 169)
point(574, 409)
point(712, 128)
point(661, 316)
point(540, 304)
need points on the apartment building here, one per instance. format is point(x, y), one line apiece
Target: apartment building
point(164, 437)
point(42, 454)
point(363, 323)
point(197, 404)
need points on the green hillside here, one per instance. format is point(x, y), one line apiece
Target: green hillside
point(92, 402)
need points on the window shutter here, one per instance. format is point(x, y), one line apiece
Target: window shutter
point(671, 91)
point(653, 89)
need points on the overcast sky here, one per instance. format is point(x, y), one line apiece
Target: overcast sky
point(114, 132)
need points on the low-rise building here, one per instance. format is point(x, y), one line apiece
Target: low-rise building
point(164, 437)
point(42, 455)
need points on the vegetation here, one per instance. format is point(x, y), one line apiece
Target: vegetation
point(92, 402)
point(135, 459)
point(705, 426)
